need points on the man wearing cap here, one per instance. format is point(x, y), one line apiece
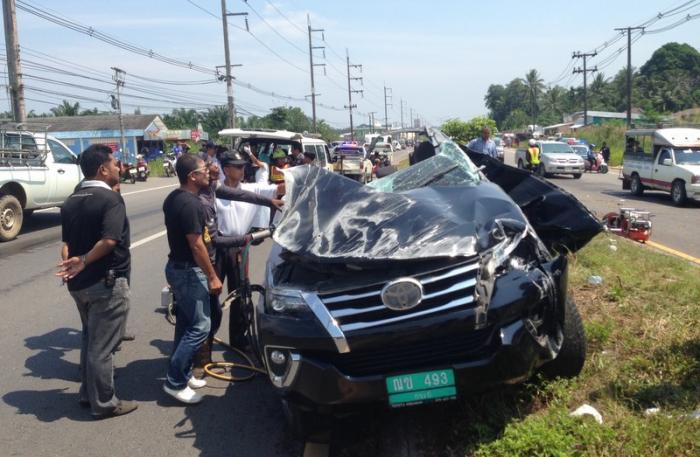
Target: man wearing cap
point(279, 158)
point(236, 220)
point(207, 197)
point(211, 153)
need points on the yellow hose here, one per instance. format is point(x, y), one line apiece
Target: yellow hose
point(233, 365)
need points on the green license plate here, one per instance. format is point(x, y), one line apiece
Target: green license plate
point(424, 387)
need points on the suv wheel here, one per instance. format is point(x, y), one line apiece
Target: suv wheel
point(678, 194)
point(301, 422)
point(636, 187)
point(520, 164)
point(572, 355)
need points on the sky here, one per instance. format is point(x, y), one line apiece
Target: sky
point(437, 58)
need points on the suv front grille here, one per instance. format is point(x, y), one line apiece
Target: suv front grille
point(437, 352)
point(444, 290)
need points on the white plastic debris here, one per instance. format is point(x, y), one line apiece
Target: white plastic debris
point(595, 280)
point(588, 410)
point(613, 248)
point(651, 411)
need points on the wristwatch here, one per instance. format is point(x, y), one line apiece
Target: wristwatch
point(83, 258)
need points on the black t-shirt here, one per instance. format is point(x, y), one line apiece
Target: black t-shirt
point(184, 215)
point(87, 216)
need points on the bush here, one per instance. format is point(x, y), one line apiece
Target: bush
point(612, 133)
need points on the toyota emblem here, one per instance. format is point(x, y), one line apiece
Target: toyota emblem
point(402, 294)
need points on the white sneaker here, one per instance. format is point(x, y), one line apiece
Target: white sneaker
point(195, 383)
point(186, 395)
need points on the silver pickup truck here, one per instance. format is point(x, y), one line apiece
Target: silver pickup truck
point(36, 171)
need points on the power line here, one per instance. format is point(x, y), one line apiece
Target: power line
point(672, 26)
point(284, 16)
point(274, 30)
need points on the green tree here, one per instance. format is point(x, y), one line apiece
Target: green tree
point(66, 108)
point(181, 118)
point(516, 120)
point(214, 120)
point(535, 86)
point(463, 132)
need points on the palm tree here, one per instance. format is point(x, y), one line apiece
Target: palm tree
point(66, 109)
point(554, 100)
point(535, 86)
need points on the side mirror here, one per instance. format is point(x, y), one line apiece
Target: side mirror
point(667, 162)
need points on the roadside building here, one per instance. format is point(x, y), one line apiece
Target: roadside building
point(140, 131)
point(598, 118)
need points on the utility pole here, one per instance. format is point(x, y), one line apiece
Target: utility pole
point(117, 104)
point(628, 30)
point(351, 91)
point(227, 56)
point(14, 69)
point(312, 65)
point(387, 96)
point(585, 71)
point(371, 121)
point(411, 119)
point(402, 125)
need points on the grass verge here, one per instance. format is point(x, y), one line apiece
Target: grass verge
point(643, 329)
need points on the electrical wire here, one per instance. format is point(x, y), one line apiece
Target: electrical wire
point(274, 30)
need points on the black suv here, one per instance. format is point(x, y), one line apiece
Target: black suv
point(427, 284)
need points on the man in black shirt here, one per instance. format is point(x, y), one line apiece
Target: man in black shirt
point(96, 264)
point(190, 274)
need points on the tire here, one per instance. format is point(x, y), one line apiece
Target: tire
point(301, 422)
point(541, 171)
point(572, 355)
point(234, 339)
point(603, 169)
point(132, 179)
point(11, 217)
point(577, 175)
point(521, 165)
point(636, 187)
point(678, 195)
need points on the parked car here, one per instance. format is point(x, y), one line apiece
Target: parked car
point(384, 148)
point(351, 159)
point(499, 148)
point(411, 290)
point(37, 171)
point(555, 158)
point(663, 159)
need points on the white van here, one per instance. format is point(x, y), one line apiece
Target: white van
point(663, 159)
point(267, 140)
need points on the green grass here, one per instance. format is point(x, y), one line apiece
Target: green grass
point(643, 329)
point(156, 167)
point(612, 133)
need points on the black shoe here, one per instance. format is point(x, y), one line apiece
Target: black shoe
point(124, 407)
point(128, 336)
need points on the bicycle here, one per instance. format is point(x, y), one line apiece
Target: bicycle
point(243, 292)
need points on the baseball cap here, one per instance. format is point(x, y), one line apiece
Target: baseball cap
point(233, 159)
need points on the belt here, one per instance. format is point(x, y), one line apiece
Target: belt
point(180, 265)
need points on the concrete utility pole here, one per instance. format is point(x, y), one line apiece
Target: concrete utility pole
point(401, 100)
point(387, 96)
point(311, 67)
point(119, 79)
point(14, 69)
point(585, 72)
point(227, 56)
point(628, 30)
point(351, 91)
point(371, 121)
point(411, 119)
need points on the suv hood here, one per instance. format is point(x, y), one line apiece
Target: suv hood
point(560, 156)
point(440, 207)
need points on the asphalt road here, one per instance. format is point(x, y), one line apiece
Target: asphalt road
point(671, 226)
point(40, 337)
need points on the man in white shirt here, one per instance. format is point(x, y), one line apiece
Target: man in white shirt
point(236, 219)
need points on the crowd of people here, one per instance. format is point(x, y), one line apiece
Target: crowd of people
point(223, 197)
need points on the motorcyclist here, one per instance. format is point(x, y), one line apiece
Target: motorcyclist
point(533, 155)
point(591, 156)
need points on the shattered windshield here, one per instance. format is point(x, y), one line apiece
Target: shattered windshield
point(449, 167)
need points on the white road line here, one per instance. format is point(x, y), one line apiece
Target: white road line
point(143, 241)
point(148, 190)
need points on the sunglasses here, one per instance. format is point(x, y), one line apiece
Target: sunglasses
point(204, 170)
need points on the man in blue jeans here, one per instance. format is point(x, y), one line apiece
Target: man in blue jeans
point(191, 275)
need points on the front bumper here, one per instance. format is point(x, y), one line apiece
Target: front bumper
point(564, 169)
point(504, 349)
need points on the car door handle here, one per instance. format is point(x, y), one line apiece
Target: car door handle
point(61, 171)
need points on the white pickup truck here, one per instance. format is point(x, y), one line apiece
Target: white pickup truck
point(663, 159)
point(555, 158)
point(36, 171)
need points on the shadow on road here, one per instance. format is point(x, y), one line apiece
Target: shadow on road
point(40, 221)
point(659, 198)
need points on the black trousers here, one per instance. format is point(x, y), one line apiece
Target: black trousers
point(228, 267)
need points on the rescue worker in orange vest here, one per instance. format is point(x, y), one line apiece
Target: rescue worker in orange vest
point(279, 159)
point(533, 156)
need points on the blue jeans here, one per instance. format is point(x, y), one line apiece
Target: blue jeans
point(193, 323)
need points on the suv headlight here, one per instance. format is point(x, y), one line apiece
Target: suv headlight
point(285, 301)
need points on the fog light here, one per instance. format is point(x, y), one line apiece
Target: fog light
point(278, 358)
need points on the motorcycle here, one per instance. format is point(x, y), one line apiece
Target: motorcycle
point(598, 167)
point(169, 164)
point(142, 169)
point(126, 172)
point(631, 223)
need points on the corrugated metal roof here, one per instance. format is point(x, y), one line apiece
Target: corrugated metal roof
point(91, 123)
